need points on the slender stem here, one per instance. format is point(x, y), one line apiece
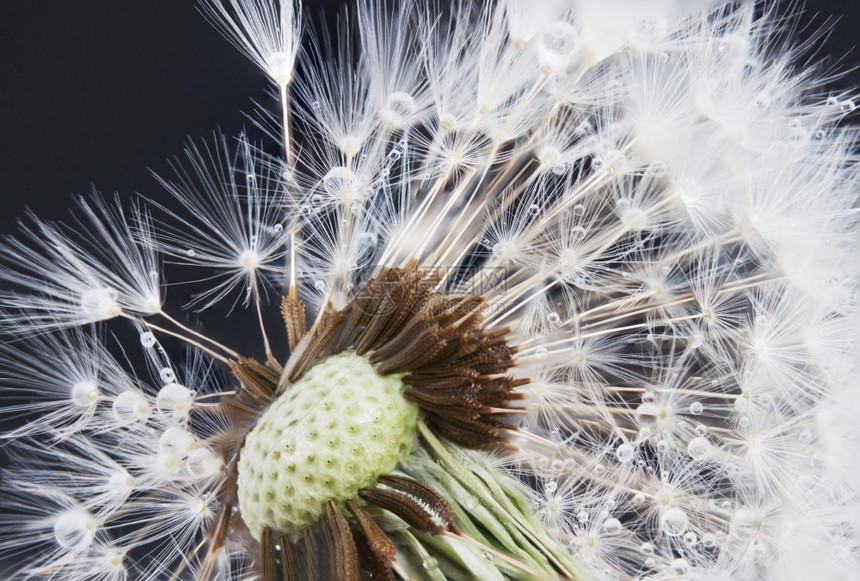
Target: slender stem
point(200, 346)
point(256, 292)
point(223, 348)
point(288, 144)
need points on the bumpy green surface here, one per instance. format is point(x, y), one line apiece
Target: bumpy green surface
point(333, 432)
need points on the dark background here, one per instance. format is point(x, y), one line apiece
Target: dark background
point(98, 91)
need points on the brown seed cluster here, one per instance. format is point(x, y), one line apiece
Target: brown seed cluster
point(453, 370)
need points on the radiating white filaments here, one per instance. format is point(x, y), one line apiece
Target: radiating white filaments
point(89, 270)
point(236, 229)
point(267, 32)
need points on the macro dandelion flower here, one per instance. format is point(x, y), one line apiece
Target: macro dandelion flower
point(543, 290)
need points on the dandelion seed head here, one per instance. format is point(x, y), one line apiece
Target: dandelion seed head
point(562, 289)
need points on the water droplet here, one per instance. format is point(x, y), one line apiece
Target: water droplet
point(805, 436)
point(550, 487)
point(657, 168)
point(680, 566)
point(762, 100)
point(699, 448)
point(646, 414)
point(75, 529)
point(578, 233)
point(488, 556)
point(744, 525)
point(847, 106)
point(599, 469)
point(316, 105)
point(190, 253)
point(648, 397)
point(558, 39)
point(167, 375)
point(319, 285)
point(818, 461)
point(674, 522)
point(559, 169)
point(647, 547)
point(625, 452)
point(582, 516)
point(639, 498)
point(690, 538)
point(541, 352)
point(400, 107)
point(278, 227)
point(612, 526)
point(696, 408)
point(578, 210)
point(709, 540)
point(147, 339)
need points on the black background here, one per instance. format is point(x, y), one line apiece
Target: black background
point(95, 92)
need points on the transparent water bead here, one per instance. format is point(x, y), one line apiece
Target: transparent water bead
point(167, 375)
point(699, 448)
point(174, 399)
point(680, 566)
point(674, 522)
point(554, 45)
point(647, 414)
point(625, 452)
point(400, 108)
point(612, 526)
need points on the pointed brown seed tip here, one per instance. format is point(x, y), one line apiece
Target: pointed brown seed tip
point(377, 540)
point(409, 511)
point(345, 551)
point(268, 557)
point(259, 380)
point(293, 312)
point(424, 494)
